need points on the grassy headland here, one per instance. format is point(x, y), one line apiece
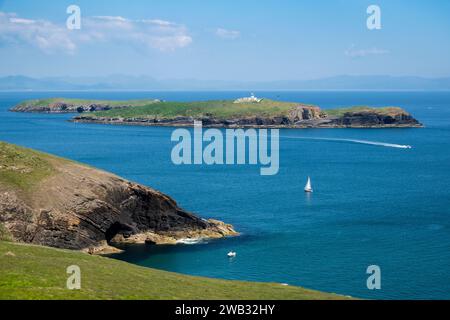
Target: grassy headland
point(56, 202)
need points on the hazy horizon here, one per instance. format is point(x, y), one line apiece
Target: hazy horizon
point(147, 83)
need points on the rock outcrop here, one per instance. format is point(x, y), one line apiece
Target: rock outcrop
point(87, 209)
point(367, 118)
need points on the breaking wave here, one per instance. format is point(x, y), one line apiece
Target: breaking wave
point(190, 241)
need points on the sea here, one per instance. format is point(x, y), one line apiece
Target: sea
point(374, 203)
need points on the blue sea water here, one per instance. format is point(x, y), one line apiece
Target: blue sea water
point(372, 205)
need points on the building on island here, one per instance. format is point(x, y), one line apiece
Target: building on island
point(252, 98)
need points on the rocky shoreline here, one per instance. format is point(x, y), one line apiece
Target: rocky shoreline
point(305, 125)
point(362, 119)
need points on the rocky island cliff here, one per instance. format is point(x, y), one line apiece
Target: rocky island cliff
point(298, 117)
point(55, 202)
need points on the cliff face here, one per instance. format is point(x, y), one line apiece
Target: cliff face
point(81, 208)
point(301, 113)
point(370, 118)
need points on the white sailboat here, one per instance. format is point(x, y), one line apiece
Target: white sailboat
point(308, 187)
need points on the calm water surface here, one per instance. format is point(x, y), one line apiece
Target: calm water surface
point(371, 205)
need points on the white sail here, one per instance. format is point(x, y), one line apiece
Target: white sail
point(308, 187)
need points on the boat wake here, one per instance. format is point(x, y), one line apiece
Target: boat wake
point(372, 143)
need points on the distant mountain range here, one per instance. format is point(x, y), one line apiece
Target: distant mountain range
point(126, 82)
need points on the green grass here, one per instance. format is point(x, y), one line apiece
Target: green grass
point(218, 108)
point(112, 103)
point(22, 168)
point(224, 109)
point(33, 272)
point(382, 110)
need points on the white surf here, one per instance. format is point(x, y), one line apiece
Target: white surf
point(190, 241)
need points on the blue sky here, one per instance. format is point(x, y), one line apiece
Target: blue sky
point(225, 40)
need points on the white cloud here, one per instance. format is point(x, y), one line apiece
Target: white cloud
point(354, 52)
point(24, 21)
point(38, 33)
point(49, 37)
point(111, 18)
point(227, 34)
point(159, 22)
point(151, 33)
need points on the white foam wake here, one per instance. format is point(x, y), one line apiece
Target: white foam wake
point(373, 143)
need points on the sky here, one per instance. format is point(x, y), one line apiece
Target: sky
point(245, 40)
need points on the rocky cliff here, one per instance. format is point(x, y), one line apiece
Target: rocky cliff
point(77, 207)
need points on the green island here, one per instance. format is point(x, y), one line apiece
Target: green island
point(244, 112)
point(37, 245)
point(70, 105)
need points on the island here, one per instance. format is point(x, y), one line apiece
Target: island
point(55, 202)
point(248, 112)
point(63, 105)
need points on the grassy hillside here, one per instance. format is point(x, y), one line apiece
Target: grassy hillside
point(218, 109)
point(22, 168)
point(33, 272)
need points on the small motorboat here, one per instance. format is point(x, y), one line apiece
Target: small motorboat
point(231, 254)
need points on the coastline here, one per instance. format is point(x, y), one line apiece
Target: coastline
point(56, 202)
point(217, 230)
point(250, 126)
